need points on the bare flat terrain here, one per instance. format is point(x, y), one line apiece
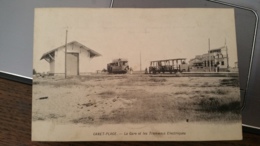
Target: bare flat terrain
point(138, 98)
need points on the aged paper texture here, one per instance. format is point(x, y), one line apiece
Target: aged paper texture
point(135, 75)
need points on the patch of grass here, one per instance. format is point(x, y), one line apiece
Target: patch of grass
point(214, 104)
point(147, 107)
point(159, 108)
point(157, 80)
point(205, 84)
point(107, 93)
point(233, 106)
point(217, 117)
point(181, 92)
point(184, 85)
point(37, 118)
point(234, 82)
point(88, 104)
point(221, 91)
point(83, 120)
point(195, 97)
point(215, 92)
point(195, 85)
point(209, 107)
point(53, 116)
point(41, 117)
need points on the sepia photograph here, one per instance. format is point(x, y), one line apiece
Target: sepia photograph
point(135, 74)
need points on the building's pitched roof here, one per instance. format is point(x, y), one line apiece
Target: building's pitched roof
point(92, 52)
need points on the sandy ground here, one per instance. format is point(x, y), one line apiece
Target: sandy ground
point(138, 98)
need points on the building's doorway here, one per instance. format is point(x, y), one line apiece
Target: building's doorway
point(72, 64)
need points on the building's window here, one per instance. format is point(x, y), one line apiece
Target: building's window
point(222, 63)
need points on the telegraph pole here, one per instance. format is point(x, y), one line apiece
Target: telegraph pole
point(66, 53)
point(227, 54)
point(209, 58)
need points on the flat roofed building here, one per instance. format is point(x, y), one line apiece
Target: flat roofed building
point(215, 58)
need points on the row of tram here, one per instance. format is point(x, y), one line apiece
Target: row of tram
point(169, 66)
point(216, 60)
point(120, 66)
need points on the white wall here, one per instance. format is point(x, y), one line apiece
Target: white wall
point(84, 59)
point(84, 62)
point(52, 67)
point(59, 61)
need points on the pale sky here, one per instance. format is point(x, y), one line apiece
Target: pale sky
point(125, 33)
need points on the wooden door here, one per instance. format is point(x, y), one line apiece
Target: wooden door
point(72, 64)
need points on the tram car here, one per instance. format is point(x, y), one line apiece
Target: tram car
point(118, 66)
point(169, 65)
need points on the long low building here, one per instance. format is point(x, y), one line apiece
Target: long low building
point(214, 60)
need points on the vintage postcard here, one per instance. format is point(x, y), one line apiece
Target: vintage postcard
point(109, 74)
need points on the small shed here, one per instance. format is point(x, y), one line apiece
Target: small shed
point(78, 58)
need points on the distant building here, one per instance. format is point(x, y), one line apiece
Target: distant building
point(235, 68)
point(77, 57)
point(209, 62)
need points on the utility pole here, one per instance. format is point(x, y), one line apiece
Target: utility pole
point(209, 58)
point(66, 53)
point(227, 54)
